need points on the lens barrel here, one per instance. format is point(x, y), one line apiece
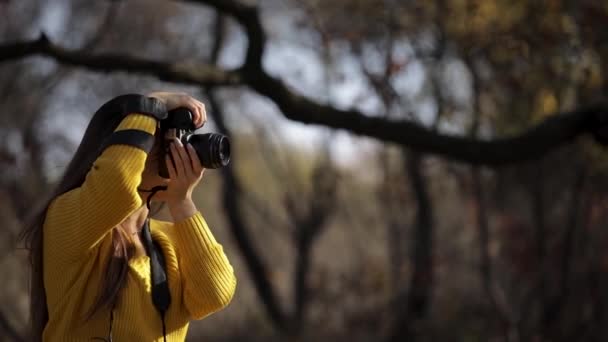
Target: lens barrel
point(212, 149)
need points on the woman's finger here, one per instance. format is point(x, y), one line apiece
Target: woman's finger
point(203, 114)
point(198, 109)
point(203, 117)
point(196, 162)
point(187, 164)
point(179, 163)
point(196, 112)
point(170, 168)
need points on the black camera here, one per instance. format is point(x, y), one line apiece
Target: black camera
point(212, 149)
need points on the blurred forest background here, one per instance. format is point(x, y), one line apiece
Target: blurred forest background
point(402, 170)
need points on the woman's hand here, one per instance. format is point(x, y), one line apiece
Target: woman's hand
point(184, 175)
point(177, 100)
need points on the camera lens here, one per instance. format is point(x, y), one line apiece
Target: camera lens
point(212, 149)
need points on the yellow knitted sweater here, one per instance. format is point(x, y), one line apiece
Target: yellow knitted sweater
point(78, 245)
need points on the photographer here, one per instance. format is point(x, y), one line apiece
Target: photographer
point(101, 269)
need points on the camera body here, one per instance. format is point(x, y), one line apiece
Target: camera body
point(212, 149)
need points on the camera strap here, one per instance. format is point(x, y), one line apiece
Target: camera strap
point(160, 286)
point(133, 137)
point(161, 297)
point(135, 103)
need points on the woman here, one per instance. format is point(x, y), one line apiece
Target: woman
point(90, 254)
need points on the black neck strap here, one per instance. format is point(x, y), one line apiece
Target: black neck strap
point(161, 296)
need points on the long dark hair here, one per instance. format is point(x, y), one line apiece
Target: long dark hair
point(102, 124)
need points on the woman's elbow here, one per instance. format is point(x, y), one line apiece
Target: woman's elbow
point(215, 299)
point(225, 290)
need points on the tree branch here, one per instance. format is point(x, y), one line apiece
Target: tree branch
point(532, 144)
point(198, 74)
point(248, 17)
point(232, 190)
point(553, 132)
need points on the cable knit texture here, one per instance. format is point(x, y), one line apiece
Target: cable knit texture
point(78, 246)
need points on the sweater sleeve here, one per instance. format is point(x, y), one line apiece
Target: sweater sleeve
point(80, 218)
point(208, 279)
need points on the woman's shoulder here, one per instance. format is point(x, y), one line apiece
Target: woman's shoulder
point(62, 207)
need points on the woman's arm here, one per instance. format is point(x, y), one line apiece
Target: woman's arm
point(208, 279)
point(80, 218)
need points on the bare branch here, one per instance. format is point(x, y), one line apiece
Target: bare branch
point(557, 130)
point(199, 74)
point(232, 192)
point(248, 17)
point(553, 132)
